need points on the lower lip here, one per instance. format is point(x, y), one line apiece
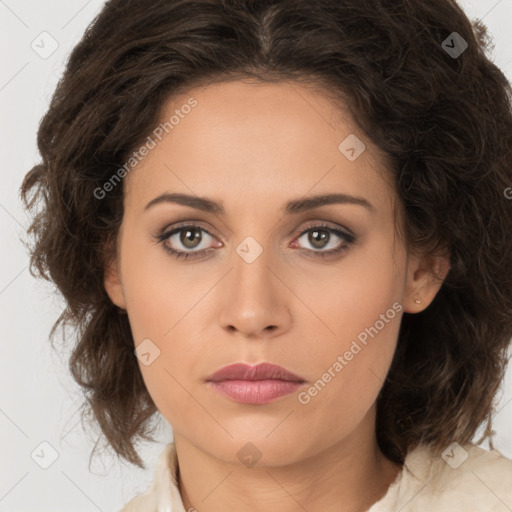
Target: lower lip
point(255, 391)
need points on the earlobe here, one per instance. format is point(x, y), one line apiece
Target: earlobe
point(425, 276)
point(113, 286)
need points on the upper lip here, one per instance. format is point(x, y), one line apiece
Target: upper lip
point(262, 371)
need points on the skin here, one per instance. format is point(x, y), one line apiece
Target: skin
point(251, 147)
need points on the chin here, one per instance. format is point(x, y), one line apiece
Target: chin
point(256, 449)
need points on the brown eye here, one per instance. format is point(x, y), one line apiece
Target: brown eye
point(185, 241)
point(190, 237)
point(320, 238)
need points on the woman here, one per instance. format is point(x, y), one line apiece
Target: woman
point(284, 226)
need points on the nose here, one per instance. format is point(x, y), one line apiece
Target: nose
point(254, 299)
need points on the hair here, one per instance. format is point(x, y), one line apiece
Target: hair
point(444, 122)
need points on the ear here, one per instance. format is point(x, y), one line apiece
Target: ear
point(425, 275)
point(113, 285)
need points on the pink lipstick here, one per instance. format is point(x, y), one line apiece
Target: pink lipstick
point(259, 384)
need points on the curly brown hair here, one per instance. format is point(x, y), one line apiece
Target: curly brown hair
point(443, 118)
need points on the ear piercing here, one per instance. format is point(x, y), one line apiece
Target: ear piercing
point(417, 300)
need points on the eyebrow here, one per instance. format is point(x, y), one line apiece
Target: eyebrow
point(292, 207)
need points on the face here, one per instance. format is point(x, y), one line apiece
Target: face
point(263, 274)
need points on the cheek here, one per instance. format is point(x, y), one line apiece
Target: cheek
point(349, 373)
point(164, 314)
point(351, 296)
point(360, 315)
point(155, 298)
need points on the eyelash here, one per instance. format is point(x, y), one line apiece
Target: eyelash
point(349, 238)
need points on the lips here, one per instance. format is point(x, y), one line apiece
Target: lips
point(254, 385)
point(262, 371)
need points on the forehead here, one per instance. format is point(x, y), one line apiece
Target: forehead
point(248, 143)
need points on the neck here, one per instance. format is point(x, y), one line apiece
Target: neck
point(349, 476)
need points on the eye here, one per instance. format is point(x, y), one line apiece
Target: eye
point(323, 236)
point(186, 240)
point(189, 240)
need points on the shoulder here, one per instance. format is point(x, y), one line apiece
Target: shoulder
point(460, 477)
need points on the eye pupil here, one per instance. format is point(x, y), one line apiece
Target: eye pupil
point(189, 236)
point(317, 237)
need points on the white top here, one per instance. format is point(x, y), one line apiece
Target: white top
point(466, 478)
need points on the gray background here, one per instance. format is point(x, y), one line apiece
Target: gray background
point(39, 401)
